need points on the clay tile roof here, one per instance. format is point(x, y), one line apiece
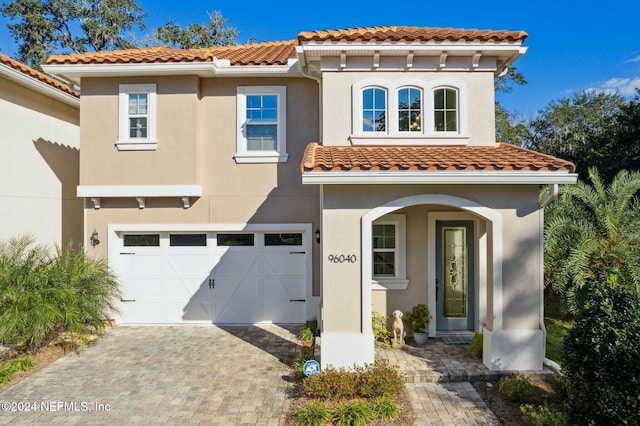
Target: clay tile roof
point(274, 53)
point(24, 69)
point(411, 34)
point(500, 157)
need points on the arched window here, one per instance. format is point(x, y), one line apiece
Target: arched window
point(410, 110)
point(445, 106)
point(374, 110)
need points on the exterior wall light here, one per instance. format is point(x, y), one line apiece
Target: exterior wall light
point(94, 238)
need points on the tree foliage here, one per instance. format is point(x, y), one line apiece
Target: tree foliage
point(602, 351)
point(590, 229)
point(213, 33)
point(591, 129)
point(46, 27)
point(510, 127)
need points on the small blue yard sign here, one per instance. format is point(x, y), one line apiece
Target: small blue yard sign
point(311, 368)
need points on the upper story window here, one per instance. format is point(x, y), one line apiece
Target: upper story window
point(137, 117)
point(374, 110)
point(261, 115)
point(445, 107)
point(409, 111)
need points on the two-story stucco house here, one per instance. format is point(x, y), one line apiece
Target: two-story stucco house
point(345, 172)
point(39, 156)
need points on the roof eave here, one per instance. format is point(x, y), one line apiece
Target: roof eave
point(479, 177)
point(74, 72)
point(39, 86)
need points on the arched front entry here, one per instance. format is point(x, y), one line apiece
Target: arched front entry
point(494, 232)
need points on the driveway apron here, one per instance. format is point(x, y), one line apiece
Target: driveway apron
point(163, 375)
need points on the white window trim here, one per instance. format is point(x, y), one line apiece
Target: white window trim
point(399, 281)
point(125, 143)
point(243, 155)
point(428, 136)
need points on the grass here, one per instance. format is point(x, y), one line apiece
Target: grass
point(557, 329)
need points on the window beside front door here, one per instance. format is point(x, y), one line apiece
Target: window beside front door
point(388, 257)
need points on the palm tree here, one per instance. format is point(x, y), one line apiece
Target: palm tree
point(592, 233)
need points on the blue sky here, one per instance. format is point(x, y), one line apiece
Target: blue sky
point(573, 45)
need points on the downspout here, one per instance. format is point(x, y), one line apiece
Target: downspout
point(546, 200)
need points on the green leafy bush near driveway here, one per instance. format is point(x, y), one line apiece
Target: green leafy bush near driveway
point(601, 356)
point(12, 367)
point(41, 292)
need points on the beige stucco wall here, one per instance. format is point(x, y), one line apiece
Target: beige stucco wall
point(196, 144)
point(344, 206)
point(479, 100)
point(38, 166)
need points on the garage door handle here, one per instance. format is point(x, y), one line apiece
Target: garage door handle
point(127, 300)
point(297, 252)
point(297, 300)
point(212, 283)
point(127, 253)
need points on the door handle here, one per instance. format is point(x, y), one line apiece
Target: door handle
point(127, 300)
point(297, 300)
point(437, 288)
point(212, 283)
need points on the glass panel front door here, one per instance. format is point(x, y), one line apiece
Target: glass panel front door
point(454, 275)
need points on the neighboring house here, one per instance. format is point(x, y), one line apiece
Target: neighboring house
point(39, 156)
point(345, 172)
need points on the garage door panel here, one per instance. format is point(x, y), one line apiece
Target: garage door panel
point(284, 263)
point(238, 311)
point(190, 264)
point(284, 311)
point(237, 288)
point(233, 263)
point(283, 288)
point(143, 290)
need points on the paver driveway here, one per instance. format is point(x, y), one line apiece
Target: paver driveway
point(169, 375)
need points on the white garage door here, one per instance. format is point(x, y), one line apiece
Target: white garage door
point(225, 278)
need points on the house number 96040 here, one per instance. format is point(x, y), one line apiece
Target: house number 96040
point(342, 258)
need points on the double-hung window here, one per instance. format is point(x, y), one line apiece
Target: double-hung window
point(389, 270)
point(137, 117)
point(374, 110)
point(261, 113)
point(410, 110)
point(445, 107)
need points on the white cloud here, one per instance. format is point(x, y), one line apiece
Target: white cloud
point(636, 59)
point(626, 86)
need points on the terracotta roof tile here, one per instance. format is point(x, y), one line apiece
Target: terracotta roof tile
point(274, 53)
point(411, 34)
point(429, 158)
point(20, 67)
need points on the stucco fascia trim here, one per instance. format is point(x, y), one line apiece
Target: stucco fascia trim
point(438, 177)
point(73, 73)
point(106, 191)
point(38, 86)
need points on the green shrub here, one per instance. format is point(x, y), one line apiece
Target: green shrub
point(378, 379)
point(331, 384)
point(475, 348)
point(516, 389)
point(371, 381)
point(380, 330)
point(309, 330)
point(40, 292)
point(354, 413)
point(313, 414)
point(542, 415)
point(9, 369)
point(385, 409)
point(601, 353)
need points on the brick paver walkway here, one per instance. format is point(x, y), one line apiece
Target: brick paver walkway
point(194, 375)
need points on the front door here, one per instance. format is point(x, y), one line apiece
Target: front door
point(454, 275)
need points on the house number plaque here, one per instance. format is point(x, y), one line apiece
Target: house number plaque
point(342, 258)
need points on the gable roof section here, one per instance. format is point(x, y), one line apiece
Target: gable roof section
point(274, 53)
point(501, 163)
point(411, 34)
point(18, 67)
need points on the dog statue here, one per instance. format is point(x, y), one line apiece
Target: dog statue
point(398, 329)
